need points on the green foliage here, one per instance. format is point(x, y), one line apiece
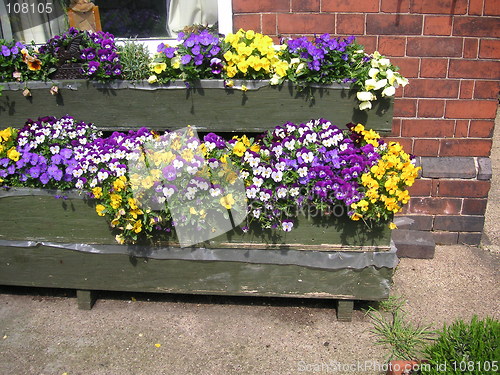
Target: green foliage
point(135, 60)
point(404, 340)
point(465, 348)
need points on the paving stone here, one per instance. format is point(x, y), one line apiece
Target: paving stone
point(414, 222)
point(414, 243)
point(448, 167)
point(484, 169)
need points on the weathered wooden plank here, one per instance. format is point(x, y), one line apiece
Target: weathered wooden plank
point(60, 268)
point(207, 106)
point(74, 220)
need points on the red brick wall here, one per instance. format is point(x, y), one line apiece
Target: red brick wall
point(449, 49)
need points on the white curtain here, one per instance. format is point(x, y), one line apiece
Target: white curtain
point(31, 26)
point(183, 13)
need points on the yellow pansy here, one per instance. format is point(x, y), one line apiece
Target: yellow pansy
point(239, 149)
point(158, 67)
point(118, 184)
point(100, 209)
point(227, 201)
point(116, 200)
point(5, 134)
point(13, 154)
point(97, 192)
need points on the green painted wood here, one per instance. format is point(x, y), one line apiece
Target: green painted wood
point(118, 106)
point(344, 310)
point(86, 299)
point(59, 268)
point(74, 220)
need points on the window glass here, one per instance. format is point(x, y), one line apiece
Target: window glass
point(134, 18)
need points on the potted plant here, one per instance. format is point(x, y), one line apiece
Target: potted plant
point(203, 79)
point(145, 185)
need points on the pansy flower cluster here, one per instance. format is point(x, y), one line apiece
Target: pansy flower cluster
point(324, 60)
point(379, 77)
point(198, 56)
point(299, 167)
point(96, 52)
point(45, 153)
point(386, 181)
point(20, 62)
point(103, 171)
point(252, 55)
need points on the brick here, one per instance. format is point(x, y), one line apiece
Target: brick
point(474, 69)
point(461, 129)
point(476, 26)
point(464, 147)
point(474, 206)
point(302, 23)
point(432, 88)
point(471, 46)
point(471, 109)
point(445, 238)
point(414, 243)
point(489, 49)
point(426, 147)
point(435, 187)
point(437, 25)
point(352, 24)
point(270, 24)
point(393, 24)
point(469, 238)
point(481, 128)
point(405, 107)
point(439, 6)
point(305, 5)
point(420, 188)
point(434, 47)
point(466, 89)
point(413, 222)
point(350, 6)
point(408, 66)
point(448, 167)
point(484, 171)
point(475, 7)
point(491, 8)
point(430, 108)
point(395, 6)
point(486, 89)
point(368, 42)
point(435, 205)
point(246, 22)
point(256, 6)
point(427, 128)
point(392, 46)
point(459, 223)
point(462, 188)
point(434, 68)
point(396, 128)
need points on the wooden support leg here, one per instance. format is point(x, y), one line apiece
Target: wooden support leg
point(86, 299)
point(344, 310)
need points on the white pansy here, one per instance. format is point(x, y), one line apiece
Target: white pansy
point(365, 105)
point(372, 84)
point(373, 72)
point(401, 80)
point(389, 91)
point(365, 96)
point(275, 80)
point(294, 61)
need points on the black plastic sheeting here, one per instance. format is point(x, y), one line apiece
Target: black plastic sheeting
point(330, 260)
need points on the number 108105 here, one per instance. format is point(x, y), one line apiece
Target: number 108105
point(25, 8)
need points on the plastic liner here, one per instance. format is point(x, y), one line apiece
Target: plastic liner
point(238, 84)
point(315, 259)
